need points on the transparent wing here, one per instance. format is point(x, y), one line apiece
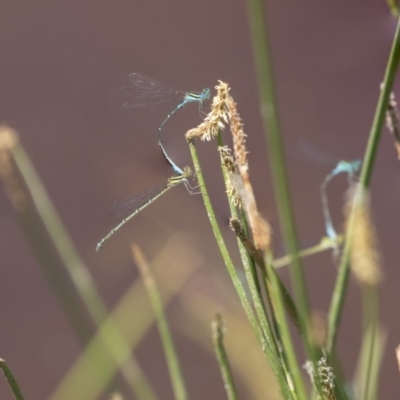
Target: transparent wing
point(143, 91)
point(122, 208)
point(307, 151)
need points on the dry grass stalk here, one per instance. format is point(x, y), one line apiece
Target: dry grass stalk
point(232, 173)
point(217, 117)
point(323, 376)
point(8, 140)
point(393, 122)
point(319, 330)
point(365, 257)
point(398, 356)
point(260, 228)
point(224, 111)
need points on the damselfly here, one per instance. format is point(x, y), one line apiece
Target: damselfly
point(143, 91)
point(133, 205)
point(348, 167)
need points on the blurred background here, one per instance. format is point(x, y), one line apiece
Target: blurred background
point(62, 61)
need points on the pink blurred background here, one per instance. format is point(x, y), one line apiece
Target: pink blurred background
point(60, 61)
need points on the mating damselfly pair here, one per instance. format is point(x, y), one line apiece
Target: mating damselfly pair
point(132, 206)
point(141, 92)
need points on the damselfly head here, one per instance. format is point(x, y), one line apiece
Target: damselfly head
point(356, 165)
point(187, 172)
point(205, 94)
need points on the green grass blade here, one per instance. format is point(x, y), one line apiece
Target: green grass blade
point(338, 298)
point(218, 331)
point(175, 371)
point(12, 382)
